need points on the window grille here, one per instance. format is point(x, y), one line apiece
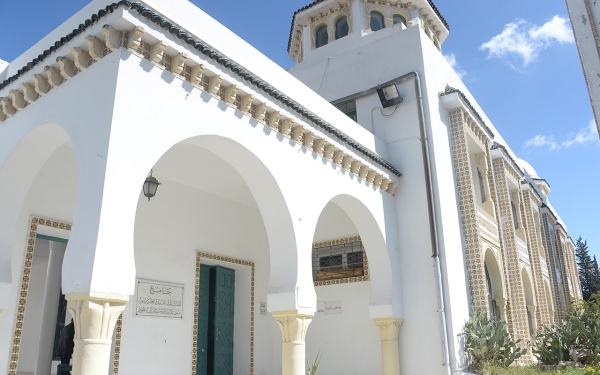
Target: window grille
point(187, 73)
point(144, 49)
point(339, 260)
point(349, 108)
point(166, 61)
point(204, 82)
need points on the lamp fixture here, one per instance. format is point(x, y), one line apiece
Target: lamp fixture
point(150, 186)
point(389, 95)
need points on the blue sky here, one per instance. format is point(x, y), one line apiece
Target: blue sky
point(517, 58)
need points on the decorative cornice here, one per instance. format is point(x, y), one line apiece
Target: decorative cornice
point(451, 90)
point(513, 163)
point(221, 59)
point(316, 2)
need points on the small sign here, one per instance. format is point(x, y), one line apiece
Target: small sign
point(159, 299)
point(328, 308)
point(263, 308)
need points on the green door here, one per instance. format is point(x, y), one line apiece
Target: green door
point(215, 321)
point(223, 328)
point(203, 320)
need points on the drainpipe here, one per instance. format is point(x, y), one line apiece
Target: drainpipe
point(430, 204)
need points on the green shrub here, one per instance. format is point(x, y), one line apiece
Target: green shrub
point(576, 338)
point(488, 343)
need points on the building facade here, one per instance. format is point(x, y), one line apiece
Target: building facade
point(360, 204)
point(584, 16)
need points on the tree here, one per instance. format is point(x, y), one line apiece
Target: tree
point(589, 275)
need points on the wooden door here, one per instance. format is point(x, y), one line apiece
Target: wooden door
point(223, 321)
point(203, 321)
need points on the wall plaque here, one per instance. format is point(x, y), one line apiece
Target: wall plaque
point(159, 299)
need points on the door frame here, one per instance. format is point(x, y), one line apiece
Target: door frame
point(227, 262)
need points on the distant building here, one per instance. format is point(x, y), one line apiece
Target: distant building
point(360, 204)
point(585, 19)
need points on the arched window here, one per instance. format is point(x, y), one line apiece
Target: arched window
point(377, 22)
point(399, 19)
point(341, 28)
point(491, 302)
point(321, 36)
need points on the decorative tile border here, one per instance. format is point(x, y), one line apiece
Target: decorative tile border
point(16, 343)
point(518, 309)
point(199, 256)
point(345, 280)
point(14, 354)
point(470, 218)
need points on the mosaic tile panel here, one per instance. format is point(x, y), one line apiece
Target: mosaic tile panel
point(518, 310)
point(199, 256)
point(542, 312)
point(345, 280)
point(117, 356)
point(558, 239)
point(551, 257)
point(470, 220)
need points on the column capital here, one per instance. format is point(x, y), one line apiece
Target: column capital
point(388, 328)
point(293, 324)
point(95, 316)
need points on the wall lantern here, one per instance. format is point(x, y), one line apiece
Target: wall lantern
point(150, 186)
point(389, 95)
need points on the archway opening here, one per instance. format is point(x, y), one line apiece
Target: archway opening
point(41, 171)
point(529, 302)
point(495, 284)
point(209, 236)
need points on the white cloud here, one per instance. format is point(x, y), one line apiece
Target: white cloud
point(542, 141)
point(585, 135)
point(522, 40)
point(451, 59)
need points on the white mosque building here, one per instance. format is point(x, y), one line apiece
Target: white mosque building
point(358, 205)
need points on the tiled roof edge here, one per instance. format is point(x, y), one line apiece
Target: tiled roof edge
point(220, 59)
point(451, 90)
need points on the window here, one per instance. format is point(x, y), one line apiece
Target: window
point(338, 261)
point(377, 22)
point(349, 108)
point(481, 189)
point(321, 36)
point(514, 213)
point(341, 28)
point(399, 19)
point(491, 302)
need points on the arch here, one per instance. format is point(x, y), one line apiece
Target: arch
point(377, 21)
point(398, 18)
point(374, 242)
point(341, 27)
point(495, 282)
point(21, 166)
point(321, 36)
point(269, 199)
point(530, 305)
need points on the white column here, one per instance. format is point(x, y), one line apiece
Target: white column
point(390, 353)
point(95, 316)
point(293, 325)
point(50, 309)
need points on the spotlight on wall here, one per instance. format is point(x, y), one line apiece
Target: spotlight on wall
point(389, 95)
point(150, 186)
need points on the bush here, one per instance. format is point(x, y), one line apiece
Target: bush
point(534, 370)
point(488, 343)
point(577, 338)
